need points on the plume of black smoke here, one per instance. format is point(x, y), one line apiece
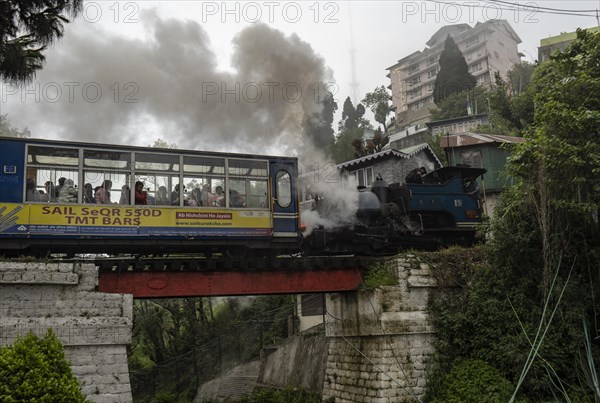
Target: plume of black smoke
point(169, 86)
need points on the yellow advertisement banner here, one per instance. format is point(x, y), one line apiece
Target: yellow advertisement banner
point(131, 220)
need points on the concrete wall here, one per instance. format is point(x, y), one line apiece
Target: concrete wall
point(381, 341)
point(94, 327)
point(235, 384)
point(300, 361)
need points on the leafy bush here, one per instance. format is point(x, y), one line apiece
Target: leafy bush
point(35, 369)
point(379, 274)
point(474, 381)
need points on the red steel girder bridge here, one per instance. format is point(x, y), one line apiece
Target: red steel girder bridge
point(176, 277)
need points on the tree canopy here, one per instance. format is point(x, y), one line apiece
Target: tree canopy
point(379, 103)
point(559, 165)
point(160, 143)
point(7, 130)
point(27, 27)
point(454, 75)
point(352, 117)
point(370, 146)
point(457, 105)
point(351, 127)
point(318, 125)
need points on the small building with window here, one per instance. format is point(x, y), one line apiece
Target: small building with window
point(393, 165)
point(489, 151)
point(463, 124)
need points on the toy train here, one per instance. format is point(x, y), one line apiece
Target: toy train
point(74, 198)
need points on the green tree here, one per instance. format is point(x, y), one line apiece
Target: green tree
point(559, 164)
point(27, 27)
point(160, 143)
point(179, 344)
point(318, 126)
point(352, 117)
point(379, 103)
point(519, 77)
point(7, 130)
point(456, 105)
point(343, 149)
point(370, 146)
point(511, 112)
point(454, 76)
point(542, 281)
point(351, 128)
point(35, 370)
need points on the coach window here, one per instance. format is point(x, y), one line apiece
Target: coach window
point(248, 183)
point(284, 189)
point(49, 168)
point(207, 174)
point(159, 173)
point(158, 187)
point(119, 192)
point(101, 166)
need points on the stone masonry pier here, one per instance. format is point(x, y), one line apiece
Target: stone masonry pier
point(94, 327)
point(381, 340)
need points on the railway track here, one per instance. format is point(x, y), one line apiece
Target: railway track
point(182, 263)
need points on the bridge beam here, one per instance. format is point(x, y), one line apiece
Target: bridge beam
point(158, 284)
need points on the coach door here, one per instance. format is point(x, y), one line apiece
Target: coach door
point(284, 202)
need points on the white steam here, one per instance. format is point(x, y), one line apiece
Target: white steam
point(331, 201)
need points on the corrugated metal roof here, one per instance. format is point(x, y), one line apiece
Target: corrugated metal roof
point(404, 153)
point(469, 139)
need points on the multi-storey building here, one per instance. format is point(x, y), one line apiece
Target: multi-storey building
point(487, 47)
point(558, 43)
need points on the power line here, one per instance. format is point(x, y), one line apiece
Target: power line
point(515, 7)
point(536, 7)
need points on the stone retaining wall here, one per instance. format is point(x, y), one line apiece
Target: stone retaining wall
point(94, 327)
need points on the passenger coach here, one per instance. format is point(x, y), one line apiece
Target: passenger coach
point(201, 202)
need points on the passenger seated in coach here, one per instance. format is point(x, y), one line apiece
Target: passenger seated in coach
point(103, 193)
point(88, 197)
point(195, 199)
point(50, 191)
point(124, 199)
point(141, 196)
point(162, 198)
point(176, 195)
point(68, 192)
point(236, 199)
point(218, 199)
point(31, 194)
point(206, 195)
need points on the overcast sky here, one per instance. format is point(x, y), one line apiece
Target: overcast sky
point(237, 76)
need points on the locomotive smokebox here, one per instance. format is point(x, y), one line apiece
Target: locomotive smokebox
point(368, 205)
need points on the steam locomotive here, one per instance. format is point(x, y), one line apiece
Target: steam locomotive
point(437, 212)
point(205, 203)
